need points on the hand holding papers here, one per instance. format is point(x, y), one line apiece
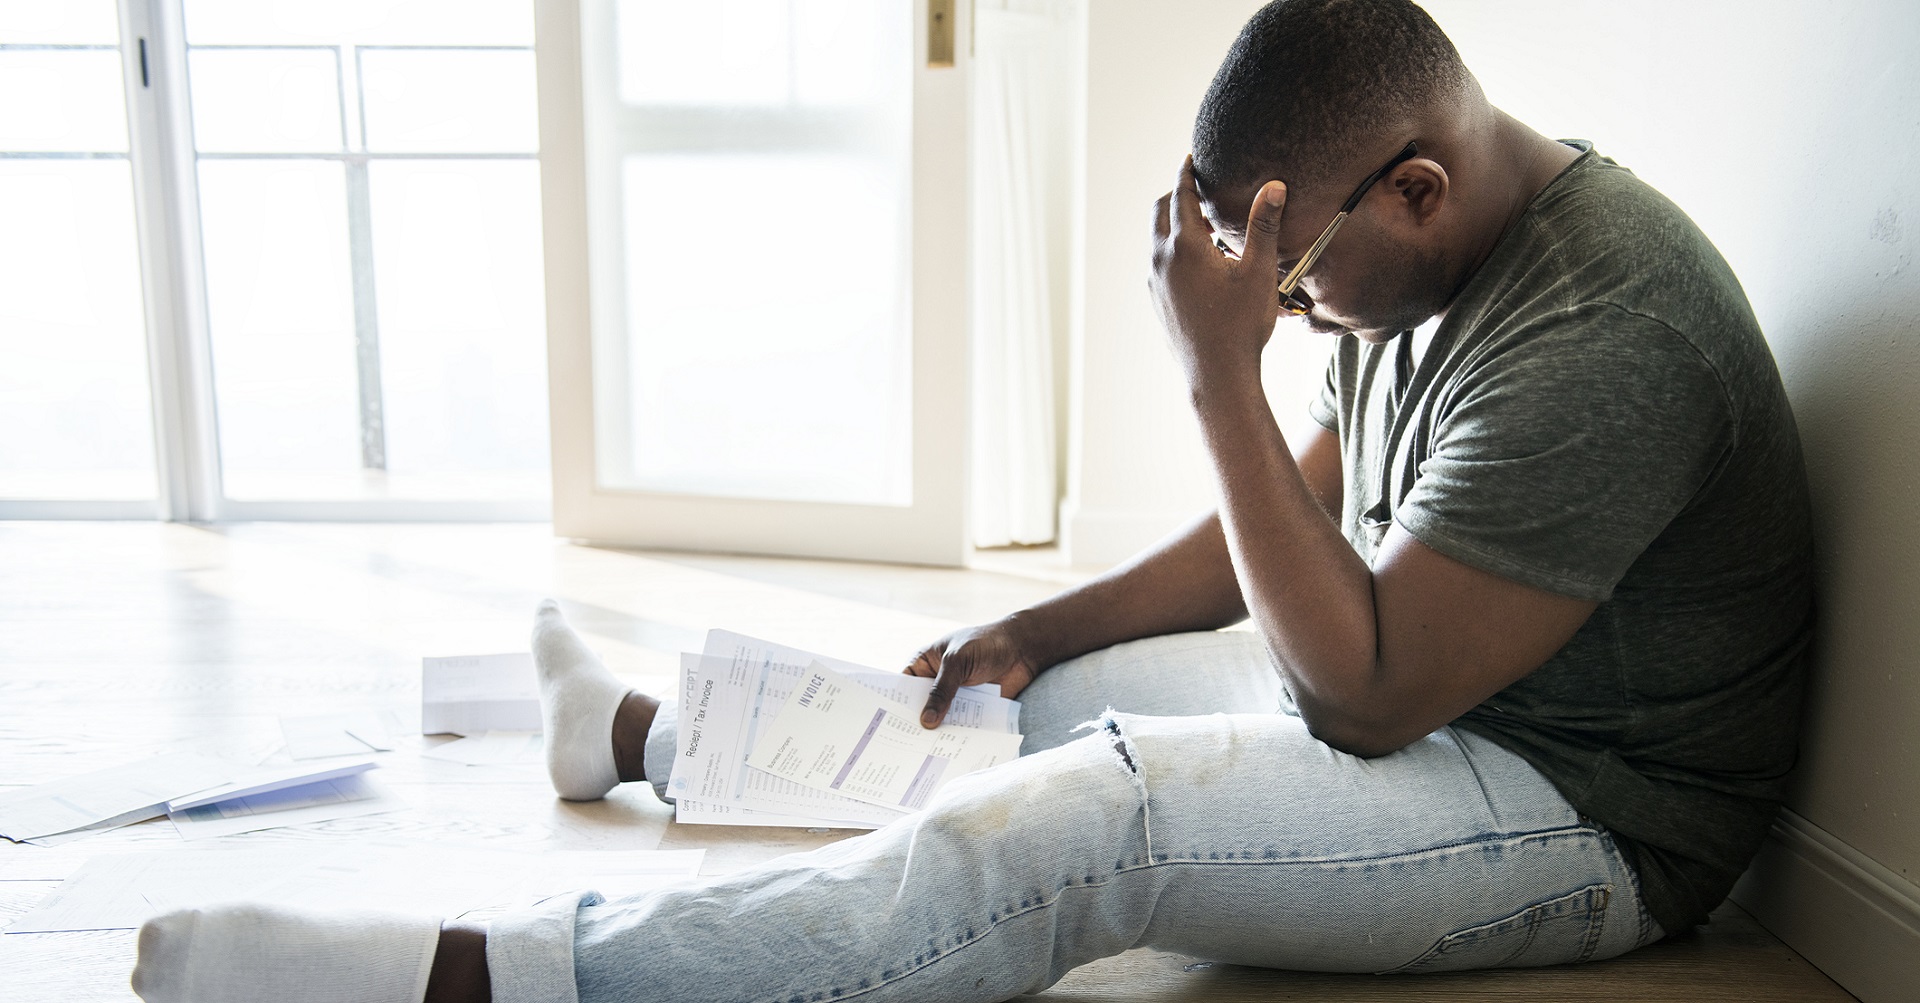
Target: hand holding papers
point(730, 696)
point(833, 735)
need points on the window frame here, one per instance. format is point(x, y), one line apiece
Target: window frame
point(154, 72)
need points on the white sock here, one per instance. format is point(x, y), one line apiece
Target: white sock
point(247, 953)
point(578, 698)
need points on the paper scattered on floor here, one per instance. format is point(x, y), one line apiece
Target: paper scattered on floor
point(266, 779)
point(82, 801)
point(731, 693)
point(137, 815)
point(345, 797)
point(121, 891)
point(474, 694)
point(322, 735)
point(493, 748)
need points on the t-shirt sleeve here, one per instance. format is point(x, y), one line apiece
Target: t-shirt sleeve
point(1560, 457)
point(1325, 406)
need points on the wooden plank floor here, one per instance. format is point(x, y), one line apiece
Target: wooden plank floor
point(121, 639)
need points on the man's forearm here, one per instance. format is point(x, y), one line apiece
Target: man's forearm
point(1308, 592)
point(1184, 583)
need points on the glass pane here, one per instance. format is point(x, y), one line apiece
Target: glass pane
point(719, 52)
point(67, 101)
point(781, 373)
point(64, 22)
point(74, 408)
point(361, 22)
point(280, 305)
point(462, 323)
point(422, 101)
point(265, 100)
point(745, 53)
point(767, 356)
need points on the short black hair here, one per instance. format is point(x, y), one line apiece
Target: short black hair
point(1311, 84)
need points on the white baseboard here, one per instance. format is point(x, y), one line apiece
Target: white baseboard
point(1850, 916)
point(1092, 538)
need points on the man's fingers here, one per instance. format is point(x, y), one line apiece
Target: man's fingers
point(1188, 222)
point(942, 695)
point(1162, 224)
point(1263, 226)
point(926, 664)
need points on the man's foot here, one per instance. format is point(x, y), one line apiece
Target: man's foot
point(579, 700)
point(244, 953)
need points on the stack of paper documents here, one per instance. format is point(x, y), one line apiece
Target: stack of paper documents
point(771, 735)
point(121, 795)
point(475, 694)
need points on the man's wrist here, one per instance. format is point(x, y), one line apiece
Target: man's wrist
point(1212, 387)
point(1035, 645)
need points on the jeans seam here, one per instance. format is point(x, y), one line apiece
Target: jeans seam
point(1166, 861)
point(1048, 903)
point(1645, 918)
point(1492, 837)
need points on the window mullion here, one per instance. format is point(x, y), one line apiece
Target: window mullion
point(166, 201)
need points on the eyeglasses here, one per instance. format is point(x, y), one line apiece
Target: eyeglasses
point(1295, 300)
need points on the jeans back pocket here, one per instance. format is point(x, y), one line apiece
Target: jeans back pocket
point(1558, 931)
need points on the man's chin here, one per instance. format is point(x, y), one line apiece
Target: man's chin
point(1321, 325)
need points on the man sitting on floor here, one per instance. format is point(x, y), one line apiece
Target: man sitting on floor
point(1530, 613)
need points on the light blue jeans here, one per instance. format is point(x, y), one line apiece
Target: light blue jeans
point(1217, 828)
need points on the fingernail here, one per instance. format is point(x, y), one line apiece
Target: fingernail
point(1274, 194)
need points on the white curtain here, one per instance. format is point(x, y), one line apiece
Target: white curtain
point(1019, 157)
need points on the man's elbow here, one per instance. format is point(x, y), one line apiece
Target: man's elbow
point(1354, 734)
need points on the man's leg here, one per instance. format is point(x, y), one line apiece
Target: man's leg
point(1236, 838)
point(1176, 675)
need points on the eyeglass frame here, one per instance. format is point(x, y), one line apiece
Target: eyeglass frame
point(1294, 300)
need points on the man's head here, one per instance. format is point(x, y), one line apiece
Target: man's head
point(1319, 94)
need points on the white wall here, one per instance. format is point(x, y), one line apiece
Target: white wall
point(1791, 133)
point(1135, 466)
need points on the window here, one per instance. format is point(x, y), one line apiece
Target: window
point(359, 332)
point(74, 402)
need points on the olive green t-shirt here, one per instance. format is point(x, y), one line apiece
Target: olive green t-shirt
point(1598, 416)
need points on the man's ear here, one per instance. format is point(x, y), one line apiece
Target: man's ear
point(1422, 186)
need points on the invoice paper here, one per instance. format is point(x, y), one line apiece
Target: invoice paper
point(471, 694)
point(835, 735)
point(735, 687)
point(725, 705)
point(77, 802)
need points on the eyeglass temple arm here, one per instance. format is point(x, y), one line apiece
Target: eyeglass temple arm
point(1292, 278)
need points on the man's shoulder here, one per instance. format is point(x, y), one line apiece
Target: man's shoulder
point(1602, 243)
